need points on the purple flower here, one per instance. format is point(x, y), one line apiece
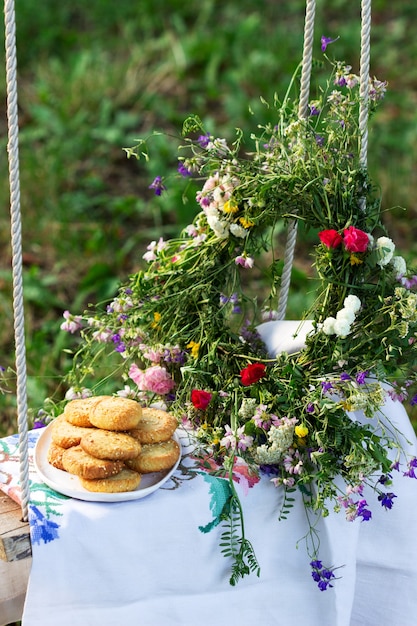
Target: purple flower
point(321, 575)
point(411, 467)
point(361, 377)
point(344, 376)
point(385, 479)
point(204, 140)
point(413, 401)
point(157, 185)
point(310, 407)
point(365, 514)
point(386, 499)
point(183, 170)
point(326, 386)
point(319, 140)
point(325, 41)
point(313, 110)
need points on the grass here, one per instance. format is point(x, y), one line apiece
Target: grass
point(92, 79)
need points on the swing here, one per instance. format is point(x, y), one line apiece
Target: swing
point(289, 253)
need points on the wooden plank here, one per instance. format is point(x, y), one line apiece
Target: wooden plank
point(14, 534)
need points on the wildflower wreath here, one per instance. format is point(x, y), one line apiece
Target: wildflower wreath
point(183, 331)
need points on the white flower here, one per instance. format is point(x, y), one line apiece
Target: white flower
point(399, 265)
point(328, 326)
point(238, 231)
point(220, 227)
point(342, 327)
point(353, 303)
point(385, 250)
point(346, 315)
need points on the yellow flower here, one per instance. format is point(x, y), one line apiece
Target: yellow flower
point(195, 347)
point(246, 223)
point(354, 260)
point(230, 206)
point(301, 431)
point(156, 318)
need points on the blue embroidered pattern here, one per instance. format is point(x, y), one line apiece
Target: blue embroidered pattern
point(44, 502)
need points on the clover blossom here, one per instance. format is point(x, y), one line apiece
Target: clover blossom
point(236, 440)
point(244, 261)
point(72, 322)
point(355, 509)
point(154, 248)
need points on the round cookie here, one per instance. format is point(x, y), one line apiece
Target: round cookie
point(126, 480)
point(156, 457)
point(66, 435)
point(78, 462)
point(108, 444)
point(77, 411)
point(54, 455)
point(155, 426)
point(116, 413)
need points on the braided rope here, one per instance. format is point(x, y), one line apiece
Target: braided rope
point(364, 80)
point(302, 113)
point(16, 243)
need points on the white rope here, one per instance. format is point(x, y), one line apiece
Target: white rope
point(302, 113)
point(16, 243)
point(364, 80)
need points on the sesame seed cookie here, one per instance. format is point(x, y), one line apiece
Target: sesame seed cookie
point(126, 480)
point(108, 444)
point(155, 457)
point(155, 426)
point(116, 413)
point(76, 461)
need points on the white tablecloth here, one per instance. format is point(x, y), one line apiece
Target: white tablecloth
point(146, 561)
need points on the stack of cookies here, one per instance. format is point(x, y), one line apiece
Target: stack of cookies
point(109, 442)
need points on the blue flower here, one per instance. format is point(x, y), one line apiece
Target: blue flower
point(322, 575)
point(386, 499)
point(362, 512)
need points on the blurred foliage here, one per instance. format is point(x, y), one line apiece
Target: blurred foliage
point(96, 76)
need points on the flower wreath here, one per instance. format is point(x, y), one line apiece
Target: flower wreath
point(184, 332)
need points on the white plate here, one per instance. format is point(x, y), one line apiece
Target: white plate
point(69, 485)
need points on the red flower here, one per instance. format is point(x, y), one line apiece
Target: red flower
point(355, 240)
point(252, 373)
point(200, 399)
point(330, 238)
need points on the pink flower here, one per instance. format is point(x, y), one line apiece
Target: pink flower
point(355, 240)
point(137, 375)
point(154, 379)
point(72, 322)
point(245, 261)
point(157, 380)
point(237, 440)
